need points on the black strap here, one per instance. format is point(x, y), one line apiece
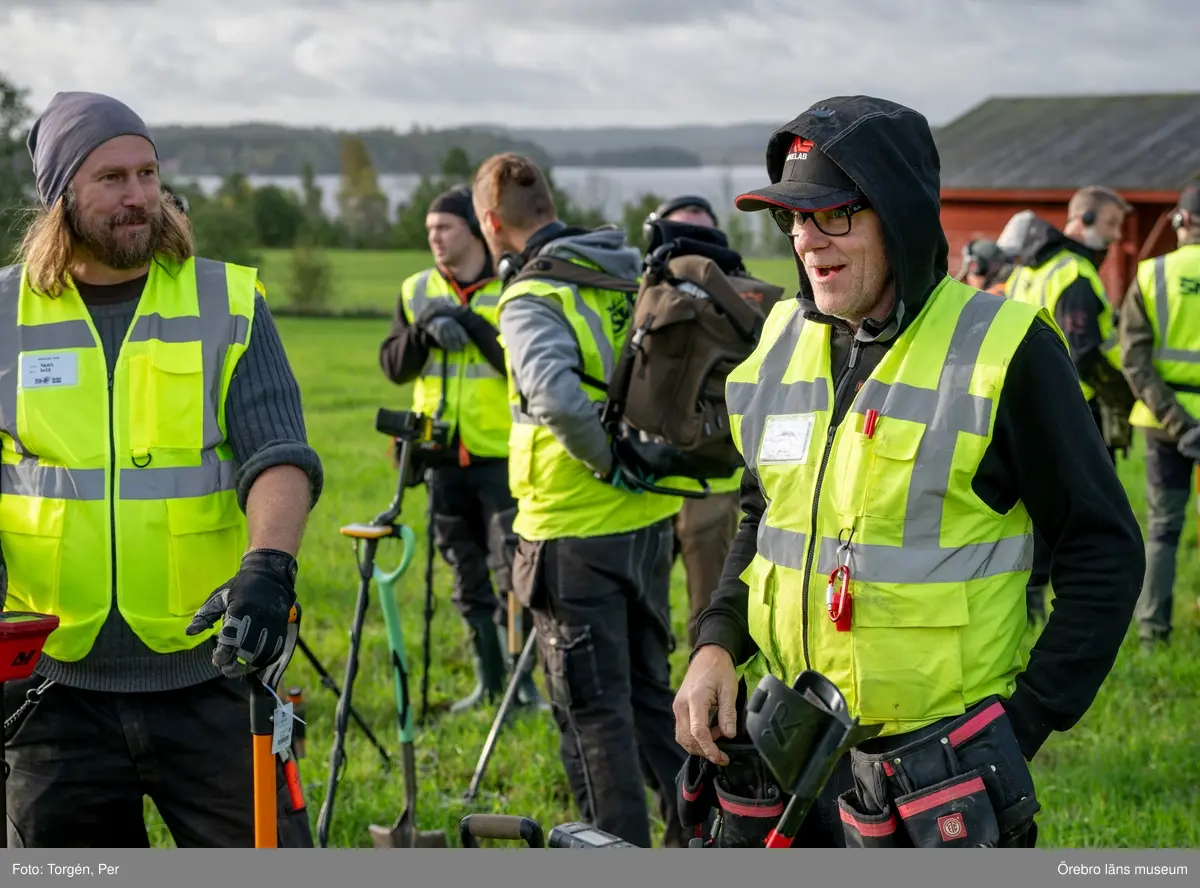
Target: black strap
point(553, 268)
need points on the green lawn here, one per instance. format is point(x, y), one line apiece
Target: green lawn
point(1126, 776)
point(370, 279)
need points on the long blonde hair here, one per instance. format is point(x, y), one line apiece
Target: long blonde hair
point(49, 244)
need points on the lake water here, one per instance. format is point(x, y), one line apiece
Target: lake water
point(608, 188)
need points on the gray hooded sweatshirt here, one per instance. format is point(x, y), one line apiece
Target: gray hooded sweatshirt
point(545, 354)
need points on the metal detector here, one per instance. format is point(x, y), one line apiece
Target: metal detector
point(22, 637)
point(410, 430)
point(801, 732)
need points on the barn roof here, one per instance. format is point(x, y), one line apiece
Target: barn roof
point(1134, 142)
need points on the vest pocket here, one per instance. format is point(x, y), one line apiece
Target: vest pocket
point(167, 406)
point(907, 650)
point(893, 460)
point(205, 549)
point(31, 531)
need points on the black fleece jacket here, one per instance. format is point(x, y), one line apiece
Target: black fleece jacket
point(1045, 452)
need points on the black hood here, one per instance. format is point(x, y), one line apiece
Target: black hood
point(889, 152)
point(1047, 240)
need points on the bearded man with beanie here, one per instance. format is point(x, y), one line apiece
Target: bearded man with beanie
point(155, 477)
point(444, 340)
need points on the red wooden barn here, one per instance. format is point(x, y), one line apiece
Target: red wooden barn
point(1011, 154)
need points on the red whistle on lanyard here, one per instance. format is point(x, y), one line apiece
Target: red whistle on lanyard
point(837, 598)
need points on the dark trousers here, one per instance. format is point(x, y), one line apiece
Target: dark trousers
point(1168, 487)
point(82, 762)
point(600, 606)
point(704, 531)
point(473, 513)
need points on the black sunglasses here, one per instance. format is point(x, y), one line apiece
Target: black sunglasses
point(835, 222)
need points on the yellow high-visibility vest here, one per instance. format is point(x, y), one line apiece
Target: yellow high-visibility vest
point(937, 578)
point(1043, 285)
point(146, 485)
point(1170, 288)
point(476, 393)
point(557, 495)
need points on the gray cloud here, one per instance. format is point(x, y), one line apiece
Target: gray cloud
point(547, 63)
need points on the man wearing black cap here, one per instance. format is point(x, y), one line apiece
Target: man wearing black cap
point(153, 450)
point(903, 433)
point(1160, 350)
point(444, 338)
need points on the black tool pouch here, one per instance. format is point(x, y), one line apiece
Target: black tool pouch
point(956, 813)
point(697, 793)
point(959, 784)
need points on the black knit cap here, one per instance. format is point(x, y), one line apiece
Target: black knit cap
point(74, 125)
point(457, 202)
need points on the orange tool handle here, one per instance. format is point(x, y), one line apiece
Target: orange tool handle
point(265, 825)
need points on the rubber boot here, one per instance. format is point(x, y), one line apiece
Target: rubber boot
point(489, 664)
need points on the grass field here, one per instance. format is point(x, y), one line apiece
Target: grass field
point(1126, 776)
point(370, 279)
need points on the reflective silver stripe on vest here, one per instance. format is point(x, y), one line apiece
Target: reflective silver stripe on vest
point(521, 418)
point(213, 475)
point(420, 299)
point(1162, 310)
point(754, 401)
point(1061, 263)
point(596, 326)
point(215, 327)
point(946, 412)
point(10, 346)
point(433, 370)
point(28, 478)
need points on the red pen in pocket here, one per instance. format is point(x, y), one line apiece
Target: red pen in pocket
point(869, 422)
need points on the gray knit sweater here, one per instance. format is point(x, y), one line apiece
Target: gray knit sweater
point(266, 428)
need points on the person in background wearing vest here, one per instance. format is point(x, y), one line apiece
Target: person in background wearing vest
point(704, 528)
point(1059, 270)
point(985, 266)
point(445, 326)
point(593, 557)
point(1160, 351)
point(156, 479)
point(909, 428)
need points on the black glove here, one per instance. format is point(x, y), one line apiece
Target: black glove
point(447, 333)
point(256, 604)
point(1189, 444)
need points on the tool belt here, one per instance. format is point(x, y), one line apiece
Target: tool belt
point(960, 783)
point(729, 806)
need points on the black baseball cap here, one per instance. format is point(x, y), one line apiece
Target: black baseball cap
point(1189, 197)
point(809, 181)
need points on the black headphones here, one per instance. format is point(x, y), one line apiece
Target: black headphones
point(677, 203)
point(508, 266)
point(1088, 218)
point(1177, 219)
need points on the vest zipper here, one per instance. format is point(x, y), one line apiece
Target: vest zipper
point(814, 538)
point(112, 486)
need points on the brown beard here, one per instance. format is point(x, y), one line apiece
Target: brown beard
point(103, 242)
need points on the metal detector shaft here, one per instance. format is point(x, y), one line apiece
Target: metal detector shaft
point(336, 757)
point(510, 694)
point(328, 681)
point(425, 642)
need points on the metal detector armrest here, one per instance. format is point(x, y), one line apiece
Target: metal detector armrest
point(499, 826)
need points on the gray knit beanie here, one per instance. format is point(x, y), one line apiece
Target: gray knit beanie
point(74, 125)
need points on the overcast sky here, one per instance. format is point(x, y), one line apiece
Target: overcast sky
point(365, 63)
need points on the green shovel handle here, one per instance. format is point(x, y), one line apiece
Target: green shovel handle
point(409, 540)
point(391, 618)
